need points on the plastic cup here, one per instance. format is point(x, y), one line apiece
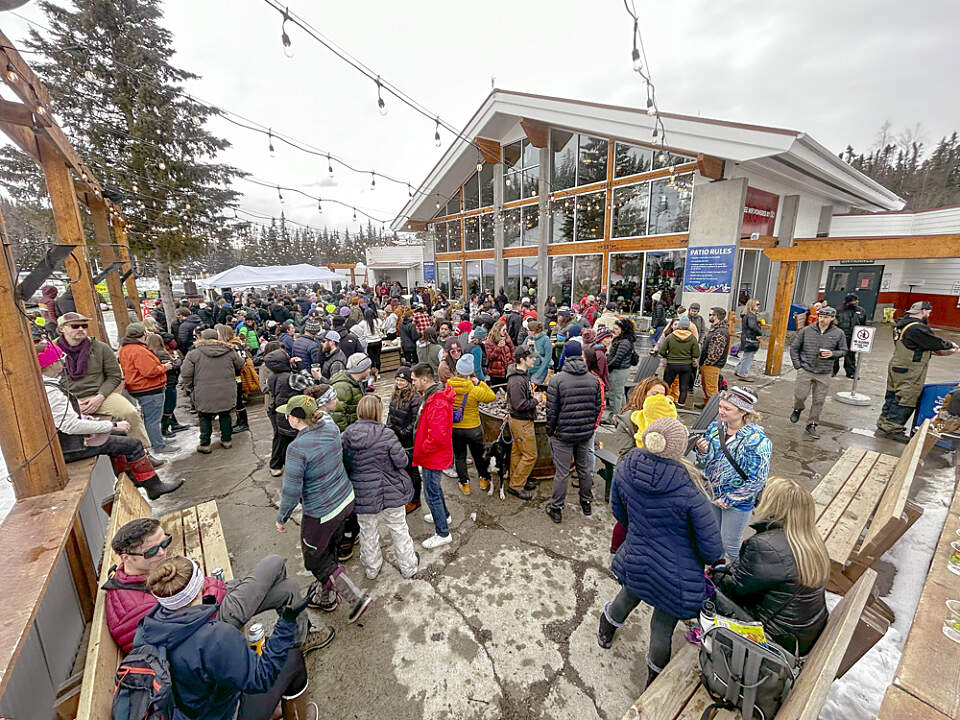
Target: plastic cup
point(953, 564)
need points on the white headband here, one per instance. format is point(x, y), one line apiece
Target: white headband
point(327, 397)
point(187, 595)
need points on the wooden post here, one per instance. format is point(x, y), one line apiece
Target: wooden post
point(781, 316)
point(81, 568)
point(28, 437)
point(66, 215)
point(127, 265)
point(101, 228)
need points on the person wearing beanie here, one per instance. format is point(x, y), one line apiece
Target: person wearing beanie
point(248, 331)
point(574, 407)
point(735, 487)
point(402, 419)
point(696, 319)
point(812, 352)
point(672, 535)
point(208, 374)
point(682, 353)
point(467, 433)
point(479, 352)
point(848, 317)
point(523, 405)
point(349, 386)
point(332, 357)
point(145, 378)
point(306, 346)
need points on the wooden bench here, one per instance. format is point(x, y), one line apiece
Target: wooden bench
point(197, 534)
point(678, 695)
point(927, 682)
point(648, 366)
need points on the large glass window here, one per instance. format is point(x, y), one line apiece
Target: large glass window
point(511, 278)
point(471, 193)
point(486, 185)
point(443, 278)
point(473, 277)
point(453, 204)
point(577, 159)
point(440, 237)
point(754, 276)
point(631, 205)
point(561, 220)
point(592, 161)
point(631, 159)
point(453, 236)
point(511, 228)
point(587, 275)
point(589, 216)
point(487, 277)
point(665, 158)
point(456, 280)
point(486, 231)
point(521, 170)
point(529, 278)
point(511, 186)
point(561, 278)
point(531, 224)
point(663, 273)
point(471, 233)
point(670, 205)
point(626, 279)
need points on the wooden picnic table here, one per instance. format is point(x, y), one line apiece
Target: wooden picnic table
point(929, 670)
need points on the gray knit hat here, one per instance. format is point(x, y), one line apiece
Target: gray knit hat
point(358, 362)
point(666, 437)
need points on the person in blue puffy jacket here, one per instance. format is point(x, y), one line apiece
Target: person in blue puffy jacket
point(672, 534)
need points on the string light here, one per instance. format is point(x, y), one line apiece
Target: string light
point(409, 190)
point(436, 134)
point(88, 74)
point(162, 165)
point(479, 162)
point(381, 105)
point(284, 38)
point(319, 206)
point(354, 214)
point(279, 194)
point(11, 73)
point(41, 110)
point(373, 181)
point(273, 153)
point(329, 165)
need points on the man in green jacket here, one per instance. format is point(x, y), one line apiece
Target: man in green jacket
point(349, 388)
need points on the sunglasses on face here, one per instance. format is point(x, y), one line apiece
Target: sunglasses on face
point(77, 326)
point(152, 552)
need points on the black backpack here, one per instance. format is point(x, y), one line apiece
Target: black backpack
point(144, 689)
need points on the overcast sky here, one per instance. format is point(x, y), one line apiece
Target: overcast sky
point(835, 70)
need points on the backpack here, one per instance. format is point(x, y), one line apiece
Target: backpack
point(144, 689)
point(634, 358)
point(739, 673)
point(458, 412)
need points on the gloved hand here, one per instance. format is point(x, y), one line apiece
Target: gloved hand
point(290, 612)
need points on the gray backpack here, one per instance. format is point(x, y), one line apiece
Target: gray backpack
point(741, 674)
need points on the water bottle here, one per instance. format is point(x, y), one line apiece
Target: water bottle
point(708, 619)
point(255, 637)
point(218, 574)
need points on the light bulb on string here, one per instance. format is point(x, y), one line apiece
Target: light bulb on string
point(284, 38)
point(41, 110)
point(409, 190)
point(655, 132)
point(662, 157)
point(273, 153)
point(319, 206)
point(354, 214)
point(373, 181)
point(381, 105)
point(279, 194)
point(329, 165)
point(12, 75)
point(162, 165)
point(479, 162)
point(651, 108)
point(637, 65)
point(436, 134)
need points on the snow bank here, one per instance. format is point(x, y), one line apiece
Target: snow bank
point(857, 696)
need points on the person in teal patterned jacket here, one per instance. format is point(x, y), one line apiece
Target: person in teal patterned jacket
point(735, 490)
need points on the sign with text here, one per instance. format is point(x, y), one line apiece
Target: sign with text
point(862, 339)
point(429, 273)
point(709, 269)
point(759, 212)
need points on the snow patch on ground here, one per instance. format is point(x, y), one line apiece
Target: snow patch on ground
point(859, 693)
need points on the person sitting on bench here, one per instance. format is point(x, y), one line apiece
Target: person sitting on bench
point(214, 672)
point(142, 546)
point(780, 575)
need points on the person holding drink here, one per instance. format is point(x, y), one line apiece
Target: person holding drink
point(812, 353)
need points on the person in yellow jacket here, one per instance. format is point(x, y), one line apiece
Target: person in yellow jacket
point(467, 432)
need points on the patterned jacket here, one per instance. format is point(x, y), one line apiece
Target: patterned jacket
point(752, 450)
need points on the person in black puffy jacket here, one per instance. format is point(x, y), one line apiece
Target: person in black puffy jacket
point(278, 385)
point(185, 332)
point(619, 362)
point(377, 465)
point(672, 534)
point(402, 419)
point(780, 575)
point(574, 405)
point(408, 337)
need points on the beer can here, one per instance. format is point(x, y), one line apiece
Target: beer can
point(218, 574)
point(255, 637)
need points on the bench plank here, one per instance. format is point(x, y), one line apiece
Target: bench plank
point(173, 524)
point(672, 689)
point(827, 488)
point(191, 538)
point(211, 534)
point(845, 534)
point(838, 505)
point(900, 705)
point(700, 701)
point(808, 695)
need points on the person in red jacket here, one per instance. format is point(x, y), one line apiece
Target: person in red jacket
point(145, 378)
point(499, 349)
point(433, 447)
point(142, 545)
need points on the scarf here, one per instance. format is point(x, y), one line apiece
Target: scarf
point(76, 357)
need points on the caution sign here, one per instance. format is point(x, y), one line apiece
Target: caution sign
point(862, 340)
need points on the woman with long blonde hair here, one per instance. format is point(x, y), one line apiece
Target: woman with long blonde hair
point(750, 334)
point(780, 575)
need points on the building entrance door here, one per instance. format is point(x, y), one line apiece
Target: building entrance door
point(862, 280)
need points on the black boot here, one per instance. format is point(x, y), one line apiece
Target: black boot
point(175, 424)
point(165, 427)
point(242, 424)
point(606, 632)
point(651, 676)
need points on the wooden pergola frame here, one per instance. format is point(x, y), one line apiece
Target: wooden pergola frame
point(904, 247)
point(44, 522)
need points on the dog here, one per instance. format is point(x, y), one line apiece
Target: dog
point(498, 460)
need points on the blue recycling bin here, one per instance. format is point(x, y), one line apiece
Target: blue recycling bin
point(794, 310)
point(931, 399)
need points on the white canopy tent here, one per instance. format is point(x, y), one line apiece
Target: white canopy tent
point(243, 276)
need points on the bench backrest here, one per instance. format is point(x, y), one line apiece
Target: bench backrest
point(706, 416)
point(103, 654)
point(648, 365)
point(808, 695)
point(890, 510)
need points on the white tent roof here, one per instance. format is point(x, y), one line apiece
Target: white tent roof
point(247, 276)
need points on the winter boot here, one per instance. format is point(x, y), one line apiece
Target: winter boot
point(165, 427)
point(146, 477)
point(175, 424)
point(607, 630)
point(299, 707)
point(120, 464)
point(242, 424)
point(353, 596)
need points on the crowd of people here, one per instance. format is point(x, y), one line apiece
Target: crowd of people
point(348, 459)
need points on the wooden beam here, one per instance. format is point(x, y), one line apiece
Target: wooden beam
point(709, 166)
point(537, 133)
point(781, 316)
point(489, 149)
point(16, 113)
point(66, 215)
point(23, 138)
point(131, 282)
point(108, 256)
point(878, 248)
point(28, 436)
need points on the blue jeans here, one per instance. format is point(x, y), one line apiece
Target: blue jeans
point(732, 523)
point(170, 400)
point(152, 408)
point(746, 359)
point(435, 501)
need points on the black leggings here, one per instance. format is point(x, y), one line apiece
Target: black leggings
point(117, 444)
point(411, 357)
point(471, 438)
point(279, 445)
point(682, 371)
point(291, 680)
point(661, 627)
point(373, 350)
point(414, 472)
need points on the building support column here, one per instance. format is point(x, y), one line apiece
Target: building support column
point(498, 275)
point(543, 271)
point(781, 316)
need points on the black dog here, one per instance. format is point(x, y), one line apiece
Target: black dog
point(498, 458)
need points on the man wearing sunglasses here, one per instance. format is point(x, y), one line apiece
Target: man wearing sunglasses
point(142, 544)
point(93, 374)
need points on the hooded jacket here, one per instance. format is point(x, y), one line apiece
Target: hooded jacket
point(764, 581)
point(349, 392)
point(544, 350)
point(680, 347)
point(314, 476)
point(209, 373)
point(185, 332)
point(211, 664)
point(307, 349)
point(433, 443)
point(402, 417)
point(125, 608)
point(278, 386)
point(475, 394)
point(574, 402)
point(377, 466)
point(143, 373)
point(522, 403)
point(672, 533)
point(499, 357)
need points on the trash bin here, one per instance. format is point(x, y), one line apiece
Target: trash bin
point(796, 309)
